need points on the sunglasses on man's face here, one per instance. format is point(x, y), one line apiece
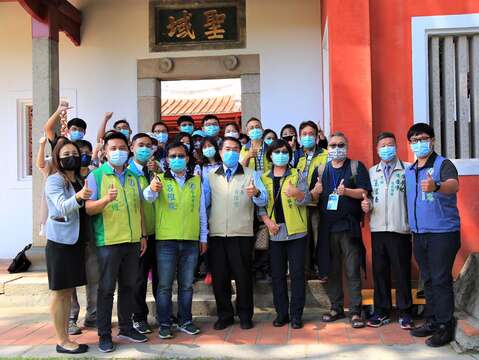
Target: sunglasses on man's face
point(177, 156)
point(334, 146)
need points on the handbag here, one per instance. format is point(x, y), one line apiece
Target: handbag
point(20, 263)
point(262, 235)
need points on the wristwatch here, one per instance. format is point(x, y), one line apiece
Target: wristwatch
point(438, 186)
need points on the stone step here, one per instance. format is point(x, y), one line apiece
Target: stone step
point(467, 334)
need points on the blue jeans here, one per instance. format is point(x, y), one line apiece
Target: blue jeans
point(175, 257)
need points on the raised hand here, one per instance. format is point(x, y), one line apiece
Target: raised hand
point(428, 185)
point(291, 190)
point(365, 204)
point(63, 107)
point(318, 187)
point(108, 116)
point(156, 185)
point(251, 190)
point(42, 140)
point(341, 188)
point(85, 192)
point(152, 165)
point(112, 193)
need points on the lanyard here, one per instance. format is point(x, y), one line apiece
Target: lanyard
point(333, 177)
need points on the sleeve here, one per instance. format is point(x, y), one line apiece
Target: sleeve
point(92, 185)
point(55, 191)
point(140, 192)
point(303, 187)
point(149, 195)
point(203, 220)
point(448, 171)
point(206, 191)
point(314, 179)
point(262, 198)
point(363, 180)
point(262, 211)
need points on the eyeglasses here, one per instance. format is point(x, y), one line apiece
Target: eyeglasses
point(177, 156)
point(288, 138)
point(334, 146)
point(281, 152)
point(416, 140)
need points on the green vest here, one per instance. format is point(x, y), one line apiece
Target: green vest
point(120, 220)
point(148, 208)
point(178, 209)
point(294, 215)
point(252, 162)
point(320, 157)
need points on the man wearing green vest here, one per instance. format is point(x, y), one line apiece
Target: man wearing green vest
point(180, 222)
point(141, 147)
point(312, 157)
point(117, 217)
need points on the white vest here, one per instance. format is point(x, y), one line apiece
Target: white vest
point(231, 211)
point(389, 211)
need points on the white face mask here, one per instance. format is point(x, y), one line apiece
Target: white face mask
point(232, 134)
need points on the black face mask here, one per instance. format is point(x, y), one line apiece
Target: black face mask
point(85, 160)
point(70, 163)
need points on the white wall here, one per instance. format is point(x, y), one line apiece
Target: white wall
point(102, 74)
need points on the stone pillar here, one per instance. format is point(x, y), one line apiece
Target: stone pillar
point(45, 101)
point(149, 103)
point(250, 97)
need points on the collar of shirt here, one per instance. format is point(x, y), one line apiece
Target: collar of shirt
point(429, 162)
point(139, 167)
point(116, 172)
point(233, 170)
point(179, 179)
point(391, 164)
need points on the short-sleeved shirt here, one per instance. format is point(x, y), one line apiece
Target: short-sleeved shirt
point(448, 169)
point(348, 214)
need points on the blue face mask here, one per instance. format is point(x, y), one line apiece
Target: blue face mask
point(308, 141)
point(280, 159)
point(76, 135)
point(230, 158)
point(143, 154)
point(268, 141)
point(212, 130)
point(255, 134)
point(187, 129)
point(177, 165)
point(125, 132)
point(118, 157)
point(161, 137)
point(421, 149)
point(387, 153)
point(187, 146)
point(209, 152)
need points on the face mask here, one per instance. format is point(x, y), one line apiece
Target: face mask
point(143, 154)
point(232, 134)
point(177, 164)
point(337, 154)
point(70, 163)
point(76, 135)
point(118, 157)
point(230, 158)
point(268, 141)
point(209, 152)
point(187, 129)
point(255, 134)
point(212, 130)
point(161, 137)
point(387, 153)
point(85, 160)
point(421, 148)
point(154, 148)
point(197, 144)
point(308, 141)
point(187, 146)
point(125, 132)
point(280, 159)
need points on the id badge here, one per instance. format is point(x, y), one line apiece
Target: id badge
point(333, 201)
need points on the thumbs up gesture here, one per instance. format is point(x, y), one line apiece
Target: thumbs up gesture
point(156, 185)
point(365, 204)
point(85, 192)
point(428, 185)
point(152, 164)
point(318, 188)
point(251, 190)
point(112, 193)
point(341, 188)
point(291, 190)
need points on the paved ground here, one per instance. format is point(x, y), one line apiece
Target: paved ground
point(29, 333)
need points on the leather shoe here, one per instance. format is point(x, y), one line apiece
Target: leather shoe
point(246, 324)
point(222, 324)
point(280, 322)
point(296, 324)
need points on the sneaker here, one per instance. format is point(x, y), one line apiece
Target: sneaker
point(189, 328)
point(406, 322)
point(165, 332)
point(142, 327)
point(378, 320)
point(174, 321)
point(105, 344)
point(133, 336)
point(426, 329)
point(442, 336)
point(73, 328)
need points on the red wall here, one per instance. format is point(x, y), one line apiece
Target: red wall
point(379, 32)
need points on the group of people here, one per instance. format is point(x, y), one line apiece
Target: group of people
point(284, 206)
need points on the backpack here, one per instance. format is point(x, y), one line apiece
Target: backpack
point(354, 169)
point(20, 263)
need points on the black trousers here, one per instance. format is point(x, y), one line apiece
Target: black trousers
point(435, 254)
point(391, 251)
point(231, 257)
point(117, 263)
point(147, 263)
point(282, 254)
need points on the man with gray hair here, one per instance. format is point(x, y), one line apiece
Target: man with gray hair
point(339, 188)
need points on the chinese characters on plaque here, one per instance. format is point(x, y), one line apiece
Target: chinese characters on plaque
point(197, 27)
